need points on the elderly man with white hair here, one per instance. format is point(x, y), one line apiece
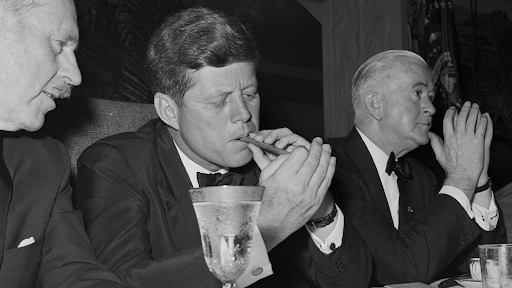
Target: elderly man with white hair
point(413, 227)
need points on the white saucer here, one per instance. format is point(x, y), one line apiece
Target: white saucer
point(469, 283)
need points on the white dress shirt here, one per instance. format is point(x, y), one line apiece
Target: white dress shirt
point(259, 265)
point(486, 218)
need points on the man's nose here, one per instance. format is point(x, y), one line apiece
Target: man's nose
point(240, 111)
point(69, 68)
point(429, 108)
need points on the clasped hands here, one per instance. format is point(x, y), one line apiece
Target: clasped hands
point(464, 153)
point(295, 184)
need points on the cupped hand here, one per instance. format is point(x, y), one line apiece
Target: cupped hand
point(295, 186)
point(483, 199)
point(487, 150)
point(282, 138)
point(462, 154)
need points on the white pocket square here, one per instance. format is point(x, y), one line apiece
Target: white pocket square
point(26, 242)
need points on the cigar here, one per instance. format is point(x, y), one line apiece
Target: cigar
point(267, 147)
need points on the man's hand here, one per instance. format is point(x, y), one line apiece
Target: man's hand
point(462, 153)
point(487, 150)
point(295, 186)
point(483, 199)
point(282, 138)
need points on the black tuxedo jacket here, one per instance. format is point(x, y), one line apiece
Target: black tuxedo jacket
point(40, 207)
point(433, 229)
point(133, 191)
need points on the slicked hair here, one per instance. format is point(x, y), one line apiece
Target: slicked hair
point(15, 6)
point(190, 40)
point(376, 69)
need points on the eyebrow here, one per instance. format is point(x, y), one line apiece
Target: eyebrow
point(70, 36)
point(217, 93)
point(423, 84)
point(255, 85)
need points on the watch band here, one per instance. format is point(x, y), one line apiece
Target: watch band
point(484, 187)
point(324, 221)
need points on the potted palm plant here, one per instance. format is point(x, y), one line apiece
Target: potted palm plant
point(487, 79)
point(114, 35)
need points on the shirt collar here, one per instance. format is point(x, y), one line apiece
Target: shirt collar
point(192, 167)
point(380, 158)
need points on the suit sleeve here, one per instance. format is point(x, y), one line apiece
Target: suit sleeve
point(419, 251)
point(116, 218)
point(67, 256)
point(348, 266)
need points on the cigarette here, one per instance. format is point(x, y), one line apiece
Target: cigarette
point(267, 147)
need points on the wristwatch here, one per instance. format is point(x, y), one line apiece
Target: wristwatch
point(324, 221)
point(484, 187)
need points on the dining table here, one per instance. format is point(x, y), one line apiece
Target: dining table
point(450, 283)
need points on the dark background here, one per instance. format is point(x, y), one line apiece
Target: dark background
point(114, 35)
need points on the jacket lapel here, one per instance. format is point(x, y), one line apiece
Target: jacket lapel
point(362, 160)
point(5, 198)
point(174, 187)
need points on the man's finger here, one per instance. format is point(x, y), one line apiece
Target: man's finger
point(310, 165)
point(481, 129)
point(294, 162)
point(448, 121)
point(489, 131)
point(277, 134)
point(323, 166)
point(463, 117)
point(471, 122)
point(259, 157)
point(328, 178)
point(291, 141)
point(437, 144)
point(274, 166)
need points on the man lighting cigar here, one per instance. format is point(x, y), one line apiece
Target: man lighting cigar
point(133, 187)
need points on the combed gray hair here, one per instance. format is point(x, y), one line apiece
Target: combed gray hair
point(16, 6)
point(376, 68)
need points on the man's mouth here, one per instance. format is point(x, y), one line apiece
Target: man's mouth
point(51, 96)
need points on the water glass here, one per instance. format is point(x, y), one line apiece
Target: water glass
point(496, 265)
point(226, 217)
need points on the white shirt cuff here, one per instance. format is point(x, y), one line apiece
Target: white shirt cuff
point(259, 265)
point(334, 239)
point(458, 195)
point(485, 218)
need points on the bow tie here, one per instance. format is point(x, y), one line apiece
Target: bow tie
point(219, 179)
point(400, 167)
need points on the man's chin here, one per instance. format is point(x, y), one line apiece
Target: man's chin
point(34, 125)
point(241, 159)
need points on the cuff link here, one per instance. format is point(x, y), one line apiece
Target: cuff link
point(257, 271)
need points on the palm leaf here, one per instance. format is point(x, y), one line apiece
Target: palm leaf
point(493, 39)
point(114, 36)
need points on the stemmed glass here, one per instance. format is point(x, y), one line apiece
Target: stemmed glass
point(226, 217)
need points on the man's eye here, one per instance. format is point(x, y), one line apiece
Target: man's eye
point(59, 45)
point(251, 96)
point(220, 103)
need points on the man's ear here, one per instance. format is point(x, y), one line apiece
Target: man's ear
point(167, 110)
point(373, 103)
